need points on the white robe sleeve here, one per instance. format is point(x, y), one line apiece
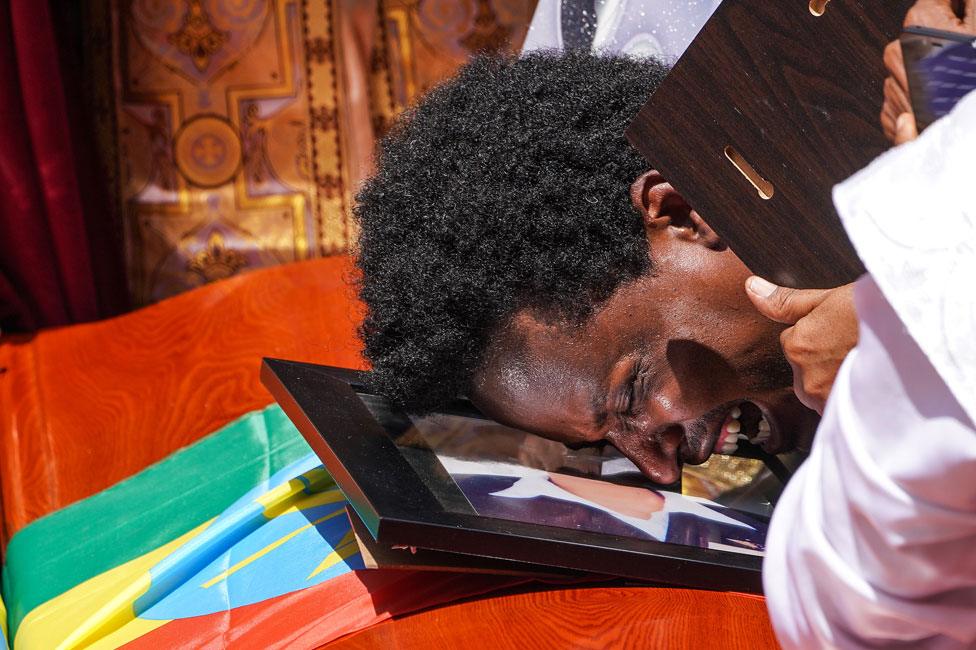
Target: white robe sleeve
point(874, 540)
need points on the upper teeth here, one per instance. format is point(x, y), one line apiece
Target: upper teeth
point(729, 445)
point(730, 439)
point(764, 429)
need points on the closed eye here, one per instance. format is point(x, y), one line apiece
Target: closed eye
point(628, 397)
point(642, 389)
point(631, 403)
point(642, 384)
point(628, 402)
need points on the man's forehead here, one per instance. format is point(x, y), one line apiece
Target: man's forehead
point(546, 356)
point(544, 377)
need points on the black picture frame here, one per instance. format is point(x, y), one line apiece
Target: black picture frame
point(398, 503)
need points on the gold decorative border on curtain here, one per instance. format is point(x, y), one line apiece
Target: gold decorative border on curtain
point(215, 148)
point(331, 182)
point(243, 127)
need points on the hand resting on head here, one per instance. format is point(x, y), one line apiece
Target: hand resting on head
point(823, 329)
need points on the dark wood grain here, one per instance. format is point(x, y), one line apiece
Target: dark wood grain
point(86, 406)
point(597, 618)
point(798, 96)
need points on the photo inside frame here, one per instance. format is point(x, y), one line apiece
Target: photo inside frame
point(504, 473)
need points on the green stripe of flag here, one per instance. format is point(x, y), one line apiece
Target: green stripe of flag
point(163, 501)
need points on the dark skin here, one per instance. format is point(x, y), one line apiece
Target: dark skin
point(822, 331)
point(656, 370)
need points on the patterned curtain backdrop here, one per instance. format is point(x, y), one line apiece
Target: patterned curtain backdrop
point(242, 128)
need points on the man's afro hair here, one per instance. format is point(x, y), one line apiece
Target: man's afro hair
point(506, 188)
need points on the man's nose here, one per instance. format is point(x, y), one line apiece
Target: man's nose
point(656, 455)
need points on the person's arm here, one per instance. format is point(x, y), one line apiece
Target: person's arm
point(872, 543)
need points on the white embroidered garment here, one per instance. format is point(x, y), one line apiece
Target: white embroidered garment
point(912, 217)
point(641, 28)
point(873, 543)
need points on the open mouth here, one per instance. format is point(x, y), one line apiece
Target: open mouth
point(745, 422)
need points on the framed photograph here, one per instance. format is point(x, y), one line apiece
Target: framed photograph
point(458, 482)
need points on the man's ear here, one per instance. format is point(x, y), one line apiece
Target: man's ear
point(663, 209)
point(646, 195)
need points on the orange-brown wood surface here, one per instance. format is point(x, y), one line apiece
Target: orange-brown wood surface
point(86, 406)
point(597, 618)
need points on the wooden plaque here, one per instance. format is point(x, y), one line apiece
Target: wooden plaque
point(796, 97)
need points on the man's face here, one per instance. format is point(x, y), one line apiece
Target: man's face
point(660, 369)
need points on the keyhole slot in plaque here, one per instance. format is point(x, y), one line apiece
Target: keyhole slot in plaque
point(818, 7)
point(763, 187)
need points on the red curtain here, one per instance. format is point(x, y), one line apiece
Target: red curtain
point(59, 256)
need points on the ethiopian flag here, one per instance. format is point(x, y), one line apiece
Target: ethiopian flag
point(3, 625)
point(240, 540)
